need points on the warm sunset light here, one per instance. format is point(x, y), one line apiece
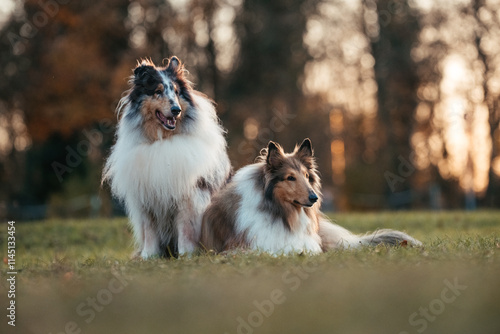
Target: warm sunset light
point(455, 93)
point(250, 166)
point(400, 98)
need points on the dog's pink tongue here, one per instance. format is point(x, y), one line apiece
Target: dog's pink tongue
point(162, 117)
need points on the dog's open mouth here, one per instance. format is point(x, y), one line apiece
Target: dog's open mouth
point(167, 122)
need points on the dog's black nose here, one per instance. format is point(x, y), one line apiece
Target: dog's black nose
point(313, 198)
point(176, 110)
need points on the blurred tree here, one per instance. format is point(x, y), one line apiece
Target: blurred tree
point(340, 76)
point(427, 55)
point(456, 93)
point(61, 62)
point(396, 78)
point(264, 95)
point(487, 31)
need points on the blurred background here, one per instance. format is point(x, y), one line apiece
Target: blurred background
point(400, 98)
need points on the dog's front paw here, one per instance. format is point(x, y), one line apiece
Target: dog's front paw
point(187, 249)
point(146, 255)
point(136, 255)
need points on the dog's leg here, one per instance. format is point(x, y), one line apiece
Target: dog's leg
point(145, 233)
point(188, 222)
point(137, 219)
point(151, 240)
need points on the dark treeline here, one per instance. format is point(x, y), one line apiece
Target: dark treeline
point(398, 97)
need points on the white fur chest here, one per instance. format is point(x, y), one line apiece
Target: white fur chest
point(164, 170)
point(264, 232)
point(275, 238)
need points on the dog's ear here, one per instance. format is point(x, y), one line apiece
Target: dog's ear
point(174, 65)
point(305, 148)
point(305, 151)
point(274, 155)
point(146, 76)
point(142, 68)
point(139, 70)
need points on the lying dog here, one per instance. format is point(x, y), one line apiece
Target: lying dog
point(274, 206)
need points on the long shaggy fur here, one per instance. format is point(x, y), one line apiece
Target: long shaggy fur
point(165, 176)
point(336, 237)
point(263, 209)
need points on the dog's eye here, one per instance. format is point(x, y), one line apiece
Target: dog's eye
point(291, 178)
point(307, 175)
point(158, 92)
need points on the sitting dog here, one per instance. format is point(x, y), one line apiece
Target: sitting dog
point(169, 159)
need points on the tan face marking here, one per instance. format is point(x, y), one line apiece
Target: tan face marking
point(155, 107)
point(295, 187)
point(159, 90)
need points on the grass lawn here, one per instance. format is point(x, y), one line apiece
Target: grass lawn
point(76, 276)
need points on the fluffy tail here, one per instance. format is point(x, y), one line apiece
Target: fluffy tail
point(336, 237)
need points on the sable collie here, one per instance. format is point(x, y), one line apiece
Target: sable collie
point(169, 158)
point(274, 206)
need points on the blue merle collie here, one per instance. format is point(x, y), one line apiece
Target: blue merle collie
point(274, 206)
point(169, 158)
